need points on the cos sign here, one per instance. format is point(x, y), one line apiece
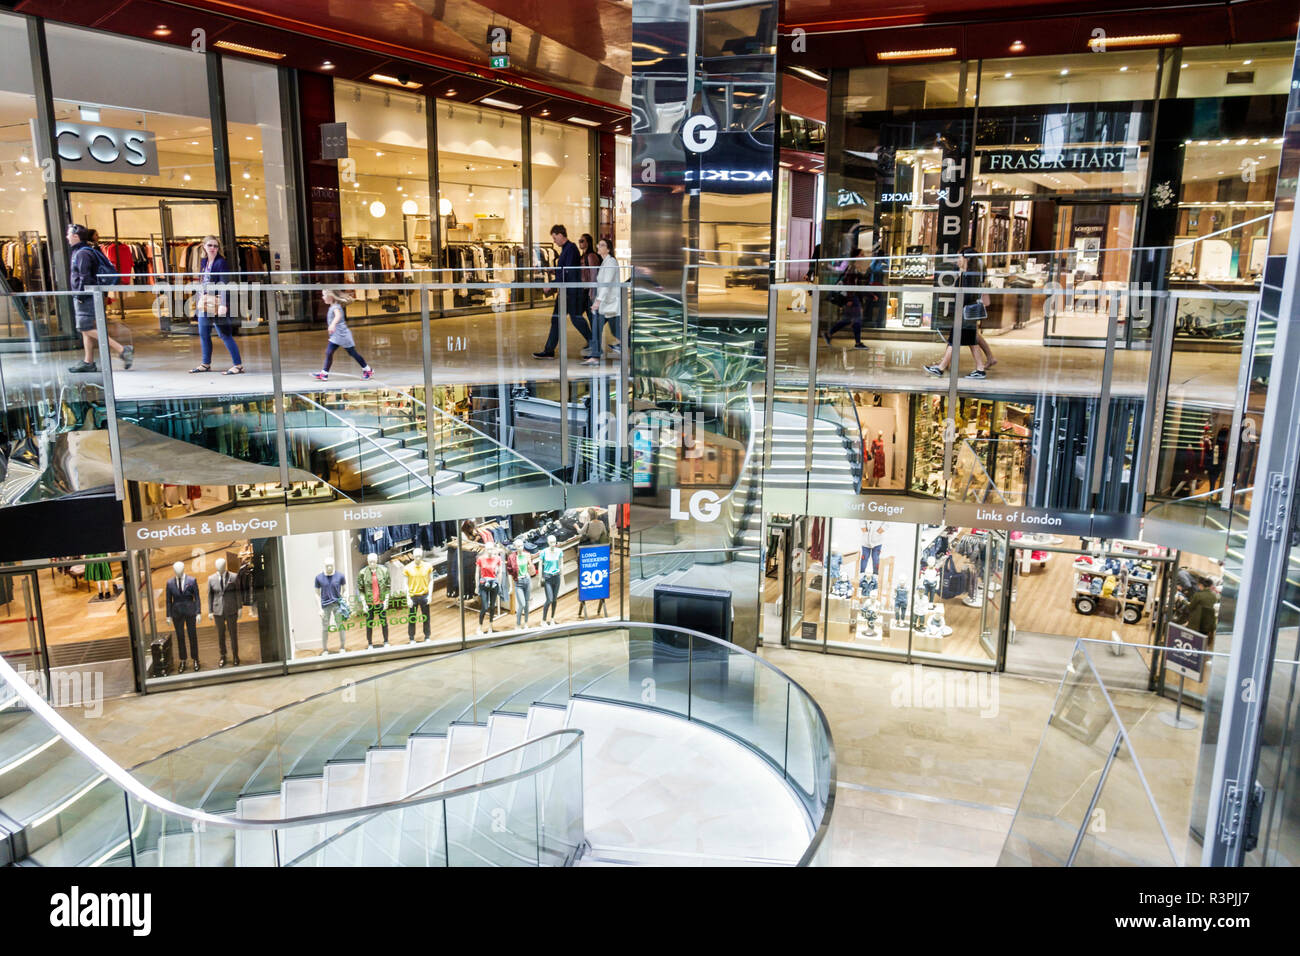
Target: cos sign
point(85, 146)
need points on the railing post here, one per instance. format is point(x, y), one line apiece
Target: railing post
point(110, 398)
point(277, 385)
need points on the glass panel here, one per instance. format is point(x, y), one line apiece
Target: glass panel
point(1245, 69)
point(260, 177)
point(383, 193)
point(480, 183)
point(561, 170)
point(174, 118)
point(20, 641)
point(1124, 828)
point(87, 635)
point(1126, 75)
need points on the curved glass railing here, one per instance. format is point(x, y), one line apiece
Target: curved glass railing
point(285, 765)
point(63, 802)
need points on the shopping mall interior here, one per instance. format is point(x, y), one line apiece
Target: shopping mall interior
point(603, 419)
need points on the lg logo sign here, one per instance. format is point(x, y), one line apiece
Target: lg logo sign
point(699, 133)
point(704, 506)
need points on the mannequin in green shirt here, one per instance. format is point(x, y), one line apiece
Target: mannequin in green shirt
point(373, 587)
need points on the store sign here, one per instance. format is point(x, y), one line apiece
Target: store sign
point(508, 501)
point(700, 133)
point(240, 523)
point(702, 506)
point(1186, 651)
point(311, 519)
point(593, 573)
point(728, 176)
point(333, 140)
point(1014, 518)
point(1085, 159)
point(877, 508)
point(105, 149)
point(905, 198)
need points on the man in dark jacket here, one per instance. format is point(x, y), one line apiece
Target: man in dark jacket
point(568, 268)
point(84, 258)
point(1202, 616)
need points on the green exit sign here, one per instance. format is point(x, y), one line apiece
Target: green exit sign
point(499, 62)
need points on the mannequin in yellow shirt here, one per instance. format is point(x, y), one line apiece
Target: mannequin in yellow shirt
point(418, 573)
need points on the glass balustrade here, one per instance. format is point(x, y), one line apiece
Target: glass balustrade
point(262, 792)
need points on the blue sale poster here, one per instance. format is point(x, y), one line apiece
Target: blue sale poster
point(593, 572)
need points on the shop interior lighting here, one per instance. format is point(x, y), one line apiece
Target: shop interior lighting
point(1146, 39)
point(811, 74)
point(500, 104)
point(582, 122)
point(1017, 46)
point(248, 50)
point(327, 65)
point(917, 54)
point(409, 207)
point(89, 114)
point(377, 209)
point(394, 81)
point(247, 174)
point(162, 30)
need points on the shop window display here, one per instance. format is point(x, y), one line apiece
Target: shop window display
point(480, 203)
point(993, 453)
point(210, 606)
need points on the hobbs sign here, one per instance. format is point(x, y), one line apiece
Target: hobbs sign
point(87, 146)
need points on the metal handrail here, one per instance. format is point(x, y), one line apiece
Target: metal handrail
point(378, 447)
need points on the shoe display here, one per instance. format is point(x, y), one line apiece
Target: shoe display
point(195, 665)
point(221, 663)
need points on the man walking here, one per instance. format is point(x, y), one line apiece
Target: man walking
point(568, 268)
point(84, 257)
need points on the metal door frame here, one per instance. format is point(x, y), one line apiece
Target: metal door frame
point(35, 622)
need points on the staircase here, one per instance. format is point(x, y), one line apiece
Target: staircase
point(378, 455)
point(832, 466)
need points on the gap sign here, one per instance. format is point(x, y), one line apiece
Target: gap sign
point(593, 573)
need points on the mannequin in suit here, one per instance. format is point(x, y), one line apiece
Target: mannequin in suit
point(223, 608)
point(373, 589)
point(183, 609)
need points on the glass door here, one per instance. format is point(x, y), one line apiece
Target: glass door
point(20, 628)
point(810, 540)
point(1093, 259)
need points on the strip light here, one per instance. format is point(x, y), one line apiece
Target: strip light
point(501, 104)
point(811, 74)
point(1150, 39)
point(916, 54)
point(250, 50)
point(582, 122)
point(394, 81)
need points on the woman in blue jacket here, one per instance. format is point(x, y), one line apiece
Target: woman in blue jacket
point(211, 308)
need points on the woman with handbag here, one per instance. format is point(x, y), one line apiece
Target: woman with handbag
point(211, 308)
point(973, 312)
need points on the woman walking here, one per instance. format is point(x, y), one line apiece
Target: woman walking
point(605, 307)
point(590, 260)
point(211, 308)
point(340, 336)
point(967, 324)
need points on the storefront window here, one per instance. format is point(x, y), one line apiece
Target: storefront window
point(919, 86)
point(259, 181)
point(220, 609)
point(1248, 69)
point(561, 168)
point(110, 83)
point(383, 191)
point(1080, 78)
point(480, 183)
point(23, 251)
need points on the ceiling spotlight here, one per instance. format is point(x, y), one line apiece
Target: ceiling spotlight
point(1017, 46)
point(162, 30)
point(1123, 69)
point(377, 209)
point(327, 65)
point(1006, 76)
point(247, 174)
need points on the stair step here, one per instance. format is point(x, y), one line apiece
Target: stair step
point(466, 744)
point(385, 775)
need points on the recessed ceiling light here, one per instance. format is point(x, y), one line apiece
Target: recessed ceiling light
point(249, 50)
point(502, 104)
point(1017, 46)
point(450, 93)
point(1247, 62)
point(378, 153)
point(1146, 39)
point(162, 30)
point(811, 74)
point(1065, 73)
point(917, 54)
point(582, 122)
point(1006, 76)
point(327, 65)
point(544, 113)
point(1123, 69)
point(194, 142)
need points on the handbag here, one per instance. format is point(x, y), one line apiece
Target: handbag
point(974, 312)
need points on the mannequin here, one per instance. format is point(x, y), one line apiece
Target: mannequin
point(102, 574)
point(877, 459)
point(373, 588)
point(487, 576)
point(223, 609)
point(522, 568)
point(183, 609)
point(873, 539)
point(418, 573)
point(552, 559)
point(332, 587)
